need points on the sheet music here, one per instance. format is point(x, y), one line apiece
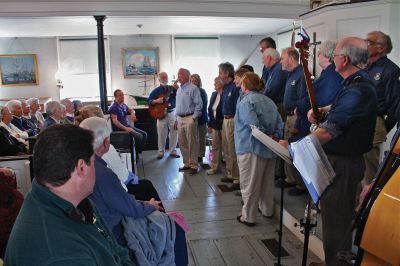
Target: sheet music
point(309, 159)
point(274, 146)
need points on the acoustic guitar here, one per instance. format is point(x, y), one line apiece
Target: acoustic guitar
point(159, 110)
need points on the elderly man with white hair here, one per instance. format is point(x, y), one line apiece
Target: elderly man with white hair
point(36, 115)
point(8, 143)
point(120, 209)
point(54, 113)
point(69, 111)
point(275, 84)
point(6, 118)
point(15, 107)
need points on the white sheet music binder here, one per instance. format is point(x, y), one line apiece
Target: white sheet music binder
point(309, 159)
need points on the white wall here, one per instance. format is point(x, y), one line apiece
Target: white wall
point(357, 20)
point(231, 48)
point(46, 51)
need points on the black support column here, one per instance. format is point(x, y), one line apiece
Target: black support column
point(101, 62)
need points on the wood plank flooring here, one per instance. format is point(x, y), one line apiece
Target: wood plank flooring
point(214, 236)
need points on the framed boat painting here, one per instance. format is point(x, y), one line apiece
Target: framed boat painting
point(19, 70)
point(139, 62)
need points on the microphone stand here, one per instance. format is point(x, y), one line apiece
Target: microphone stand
point(307, 225)
point(282, 179)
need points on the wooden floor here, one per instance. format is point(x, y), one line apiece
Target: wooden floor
point(215, 237)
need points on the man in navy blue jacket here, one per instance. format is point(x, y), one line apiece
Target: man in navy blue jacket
point(386, 77)
point(346, 133)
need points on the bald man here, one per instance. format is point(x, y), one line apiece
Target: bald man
point(346, 133)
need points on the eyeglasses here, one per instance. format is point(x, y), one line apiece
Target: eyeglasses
point(338, 55)
point(370, 43)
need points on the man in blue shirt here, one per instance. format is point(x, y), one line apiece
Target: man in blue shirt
point(119, 112)
point(229, 99)
point(188, 111)
point(346, 133)
point(162, 93)
point(386, 77)
point(264, 44)
point(275, 85)
point(294, 91)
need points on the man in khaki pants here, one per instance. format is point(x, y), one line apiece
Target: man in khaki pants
point(188, 110)
point(229, 100)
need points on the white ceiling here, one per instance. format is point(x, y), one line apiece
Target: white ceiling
point(78, 26)
point(37, 18)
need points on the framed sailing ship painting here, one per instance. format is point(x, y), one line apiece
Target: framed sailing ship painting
point(19, 70)
point(139, 62)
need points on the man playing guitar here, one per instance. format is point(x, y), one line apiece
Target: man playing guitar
point(162, 101)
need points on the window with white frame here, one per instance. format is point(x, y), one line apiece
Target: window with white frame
point(78, 68)
point(200, 55)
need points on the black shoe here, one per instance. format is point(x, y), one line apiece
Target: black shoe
point(184, 168)
point(244, 222)
point(200, 160)
point(280, 183)
point(174, 155)
point(297, 191)
point(234, 187)
point(227, 180)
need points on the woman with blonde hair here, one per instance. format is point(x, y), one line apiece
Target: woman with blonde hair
point(256, 162)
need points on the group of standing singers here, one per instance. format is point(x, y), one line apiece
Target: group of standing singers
point(358, 92)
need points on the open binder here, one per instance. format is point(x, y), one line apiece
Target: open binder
point(309, 159)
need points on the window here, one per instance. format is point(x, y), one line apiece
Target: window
point(78, 68)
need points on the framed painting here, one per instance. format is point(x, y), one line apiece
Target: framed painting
point(139, 62)
point(19, 70)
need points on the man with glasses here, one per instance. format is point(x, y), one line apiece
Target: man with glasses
point(346, 133)
point(386, 77)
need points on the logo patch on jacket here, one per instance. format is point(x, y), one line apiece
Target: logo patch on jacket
point(293, 83)
point(377, 76)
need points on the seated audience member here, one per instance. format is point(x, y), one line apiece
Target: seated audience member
point(54, 113)
point(114, 203)
point(10, 204)
point(6, 118)
point(14, 106)
point(215, 119)
point(27, 118)
point(142, 189)
point(36, 115)
point(119, 112)
point(77, 105)
point(58, 224)
point(256, 162)
point(203, 119)
point(69, 111)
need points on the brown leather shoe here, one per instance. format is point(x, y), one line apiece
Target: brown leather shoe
point(192, 171)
